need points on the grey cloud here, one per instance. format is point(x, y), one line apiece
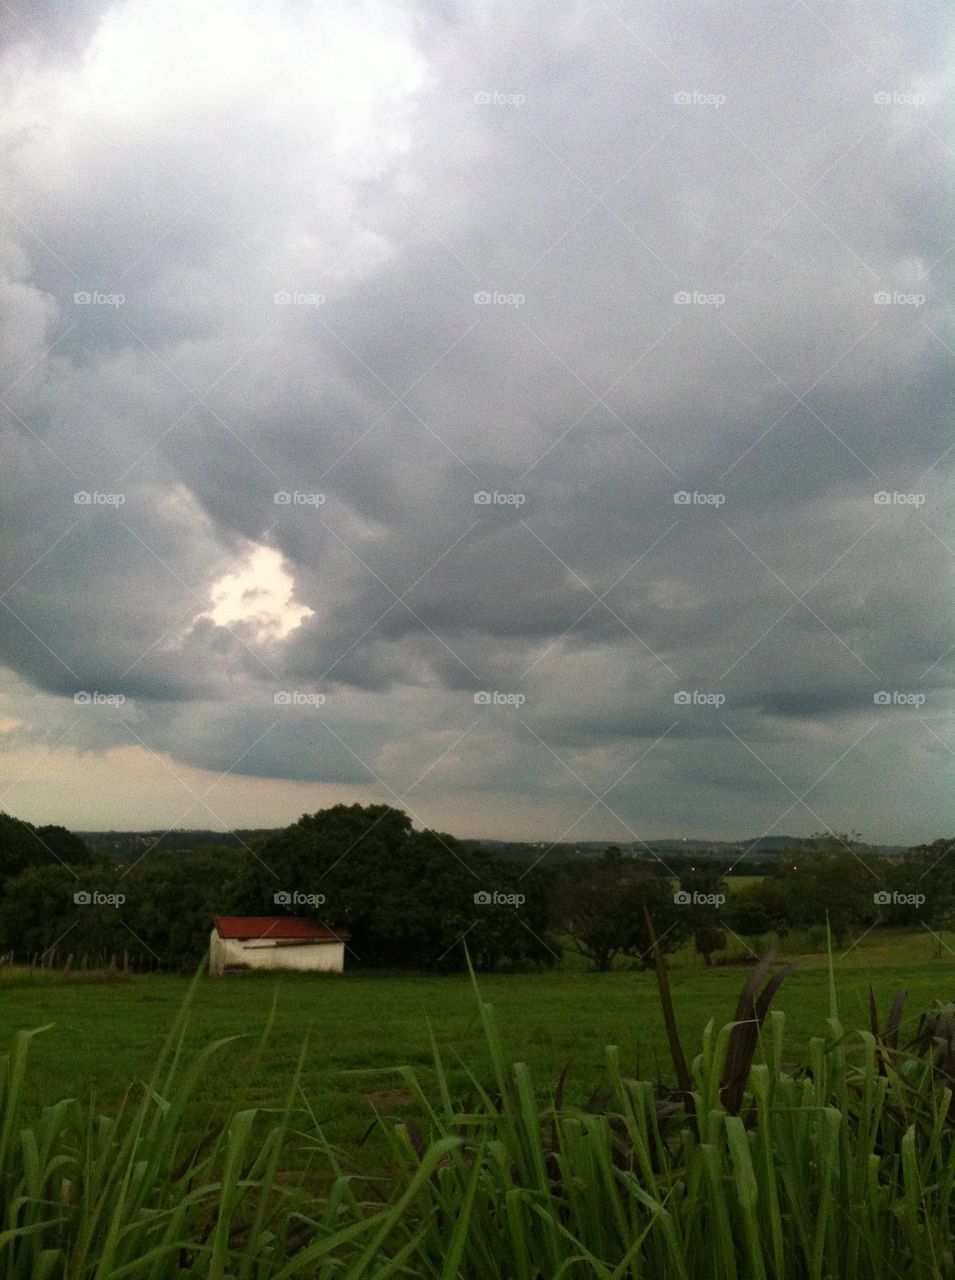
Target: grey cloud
point(583, 386)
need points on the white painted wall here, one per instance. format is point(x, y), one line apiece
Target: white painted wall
point(253, 953)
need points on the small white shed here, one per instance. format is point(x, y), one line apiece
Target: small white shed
point(274, 942)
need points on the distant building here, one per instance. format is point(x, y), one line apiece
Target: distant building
point(274, 942)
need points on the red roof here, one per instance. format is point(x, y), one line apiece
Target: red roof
point(283, 927)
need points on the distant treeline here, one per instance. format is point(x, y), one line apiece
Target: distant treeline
point(411, 898)
point(123, 845)
point(760, 852)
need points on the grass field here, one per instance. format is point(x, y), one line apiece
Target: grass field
point(106, 1035)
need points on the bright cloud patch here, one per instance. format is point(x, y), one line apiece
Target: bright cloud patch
point(260, 596)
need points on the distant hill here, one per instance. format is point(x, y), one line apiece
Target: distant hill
point(765, 846)
point(125, 844)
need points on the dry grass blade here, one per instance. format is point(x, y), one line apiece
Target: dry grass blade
point(751, 1011)
point(894, 1024)
point(887, 1043)
point(683, 1077)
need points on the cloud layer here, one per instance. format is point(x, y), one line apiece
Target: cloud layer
point(594, 357)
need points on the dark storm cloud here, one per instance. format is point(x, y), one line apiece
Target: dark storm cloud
point(589, 261)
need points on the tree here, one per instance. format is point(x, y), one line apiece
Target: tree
point(707, 939)
point(408, 897)
point(705, 886)
point(171, 900)
point(763, 907)
point(161, 909)
point(835, 888)
point(599, 906)
point(52, 907)
point(22, 845)
point(920, 890)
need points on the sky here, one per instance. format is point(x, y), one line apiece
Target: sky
point(532, 415)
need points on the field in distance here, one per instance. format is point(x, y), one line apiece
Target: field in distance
point(106, 1035)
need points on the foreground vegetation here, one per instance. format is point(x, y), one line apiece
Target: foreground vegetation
point(812, 1151)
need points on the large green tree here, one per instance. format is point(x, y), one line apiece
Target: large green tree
point(601, 907)
point(159, 910)
point(408, 898)
point(23, 845)
point(52, 908)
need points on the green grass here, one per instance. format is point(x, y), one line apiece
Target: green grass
point(736, 883)
point(104, 1036)
point(839, 1167)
